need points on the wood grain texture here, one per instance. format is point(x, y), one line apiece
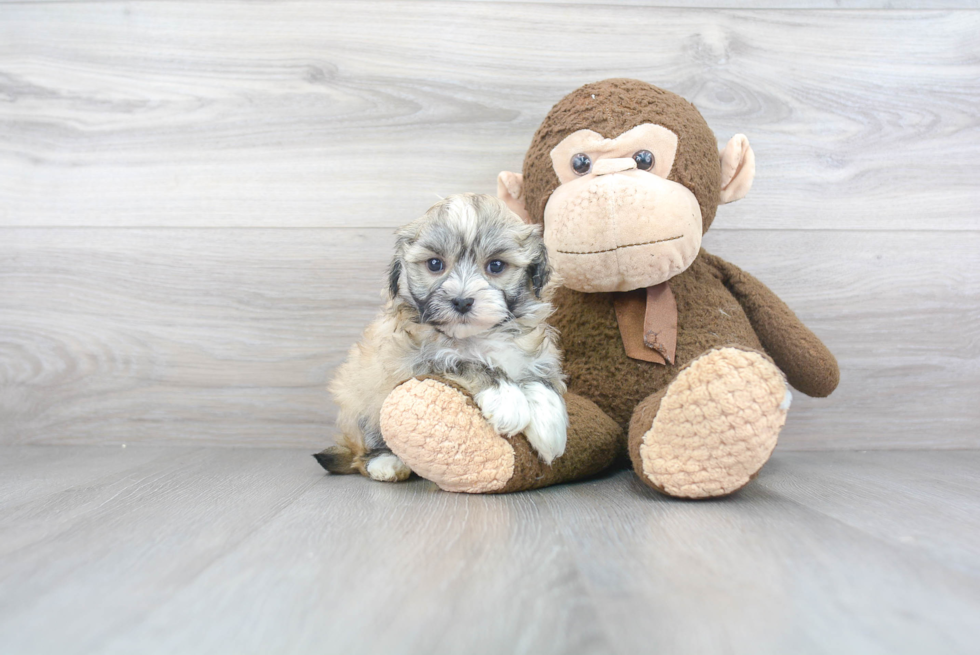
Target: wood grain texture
point(356, 114)
point(160, 524)
point(258, 551)
point(938, 489)
point(29, 473)
point(773, 588)
point(762, 4)
point(687, 4)
point(217, 336)
point(180, 336)
point(196, 198)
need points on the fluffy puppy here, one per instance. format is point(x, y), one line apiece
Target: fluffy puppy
point(466, 301)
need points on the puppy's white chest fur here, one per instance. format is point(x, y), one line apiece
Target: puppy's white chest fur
point(497, 352)
point(508, 357)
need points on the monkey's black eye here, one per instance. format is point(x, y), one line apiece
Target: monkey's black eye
point(581, 163)
point(435, 264)
point(643, 159)
point(496, 267)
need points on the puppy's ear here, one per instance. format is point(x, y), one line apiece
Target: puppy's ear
point(538, 271)
point(394, 273)
point(403, 238)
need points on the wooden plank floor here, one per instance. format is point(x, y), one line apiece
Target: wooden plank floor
point(211, 550)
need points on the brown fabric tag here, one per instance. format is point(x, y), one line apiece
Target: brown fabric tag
point(647, 321)
point(660, 321)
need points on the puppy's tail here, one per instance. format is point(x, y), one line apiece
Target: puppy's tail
point(336, 459)
point(343, 460)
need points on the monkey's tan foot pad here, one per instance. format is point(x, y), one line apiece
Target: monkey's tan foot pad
point(441, 434)
point(716, 425)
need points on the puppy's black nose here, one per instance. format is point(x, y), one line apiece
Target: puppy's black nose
point(463, 305)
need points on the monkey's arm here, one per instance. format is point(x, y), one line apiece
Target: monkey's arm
point(808, 364)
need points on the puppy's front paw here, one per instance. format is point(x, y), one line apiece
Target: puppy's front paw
point(386, 467)
point(505, 407)
point(548, 428)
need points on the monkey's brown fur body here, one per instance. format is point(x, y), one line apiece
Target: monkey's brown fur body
point(700, 426)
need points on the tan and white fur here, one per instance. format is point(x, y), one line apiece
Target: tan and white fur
point(467, 301)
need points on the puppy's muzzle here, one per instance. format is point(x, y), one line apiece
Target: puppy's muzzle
point(462, 305)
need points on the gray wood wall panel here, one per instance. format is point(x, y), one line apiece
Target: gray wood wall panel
point(358, 113)
point(664, 4)
point(229, 336)
point(196, 198)
point(760, 4)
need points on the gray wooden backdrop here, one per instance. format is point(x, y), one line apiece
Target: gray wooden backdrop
point(197, 198)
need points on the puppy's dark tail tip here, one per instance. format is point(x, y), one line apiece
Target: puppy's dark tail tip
point(336, 459)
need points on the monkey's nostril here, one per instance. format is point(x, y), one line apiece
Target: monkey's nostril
point(462, 305)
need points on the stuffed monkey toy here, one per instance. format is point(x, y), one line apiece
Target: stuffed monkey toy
point(673, 356)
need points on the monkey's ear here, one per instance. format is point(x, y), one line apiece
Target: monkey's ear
point(510, 189)
point(737, 169)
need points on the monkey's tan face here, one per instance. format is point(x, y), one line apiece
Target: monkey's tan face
point(616, 223)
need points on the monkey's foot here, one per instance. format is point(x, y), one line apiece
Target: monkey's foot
point(441, 434)
point(716, 425)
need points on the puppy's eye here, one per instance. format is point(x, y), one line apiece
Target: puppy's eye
point(435, 264)
point(643, 159)
point(495, 267)
point(581, 163)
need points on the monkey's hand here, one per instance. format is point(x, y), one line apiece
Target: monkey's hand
point(808, 364)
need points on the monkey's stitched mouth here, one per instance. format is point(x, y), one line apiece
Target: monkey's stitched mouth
point(628, 245)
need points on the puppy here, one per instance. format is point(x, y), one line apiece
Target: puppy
point(467, 301)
